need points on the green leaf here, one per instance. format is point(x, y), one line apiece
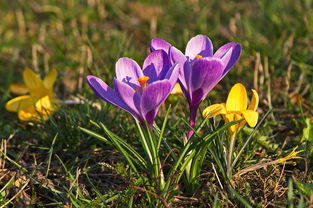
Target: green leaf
point(305, 188)
point(242, 200)
point(290, 193)
point(308, 131)
point(94, 134)
point(301, 203)
point(115, 141)
point(163, 128)
point(250, 137)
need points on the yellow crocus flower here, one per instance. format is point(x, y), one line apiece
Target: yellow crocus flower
point(236, 109)
point(177, 90)
point(40, 102)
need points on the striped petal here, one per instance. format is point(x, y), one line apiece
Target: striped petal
point(159, 44)
point(128, 71)
point(199, 45)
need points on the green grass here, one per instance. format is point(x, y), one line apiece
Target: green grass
point(64, 166)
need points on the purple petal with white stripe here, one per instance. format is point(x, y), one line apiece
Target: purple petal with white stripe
point(235, 54)
point(199, 45)
point(128, 95)
point(106, 93)
point(156, 65)
point(128, 71)
point(153, 96)
point(206, 74)
point(159, 44)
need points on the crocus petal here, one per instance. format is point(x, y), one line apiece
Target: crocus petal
point(251, 117)
point(50, 79)
point(106, 93)
point(237, 98)
point(156, 65)
point(254, 101)
point(172, 75)
point(177, 56)
point(229, 117)
point(199, 45)
point(214, 110)
point(28, 114)
point(44, 108)
point(205, 75)
point(128, 96)
point(19, 103)
point(44, 105)
point(235, 54)
point(159, 44)
point(32, 80)
point(38, 111)
point(153, 97)
point(128, 71)
point(19, 89)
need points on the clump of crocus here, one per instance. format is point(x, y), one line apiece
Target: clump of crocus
point(40, 102)
point(140, 92)
point(200, 68)
point(236, 108)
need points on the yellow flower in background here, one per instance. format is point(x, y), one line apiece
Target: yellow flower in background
point(40, 102)
point(177, 90)
point(236, 109)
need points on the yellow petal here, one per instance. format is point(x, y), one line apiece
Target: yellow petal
point(237, 98)
point(214, 110)
point(177, 89)
point(19, 103)
point(43, 105)
point(251, 117)
point(254, 101)
point(50, 79)
point(36, 112)
point(229, 117)
point(28, 114)
point(32, 80)
point(18, 89)
point(234, 117)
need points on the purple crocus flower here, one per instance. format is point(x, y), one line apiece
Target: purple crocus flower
point(140, 92)
point(200, 68)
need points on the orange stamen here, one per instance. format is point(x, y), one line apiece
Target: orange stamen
point(143, 82)
point(198, 57)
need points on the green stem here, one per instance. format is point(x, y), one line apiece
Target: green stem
point(230, 155)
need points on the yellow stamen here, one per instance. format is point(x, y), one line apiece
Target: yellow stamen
point(143, 82)
point(198, 57)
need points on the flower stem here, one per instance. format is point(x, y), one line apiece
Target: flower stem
point(192, 119)
point(230, 155)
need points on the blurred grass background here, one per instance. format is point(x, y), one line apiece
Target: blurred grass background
point(87, 37)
